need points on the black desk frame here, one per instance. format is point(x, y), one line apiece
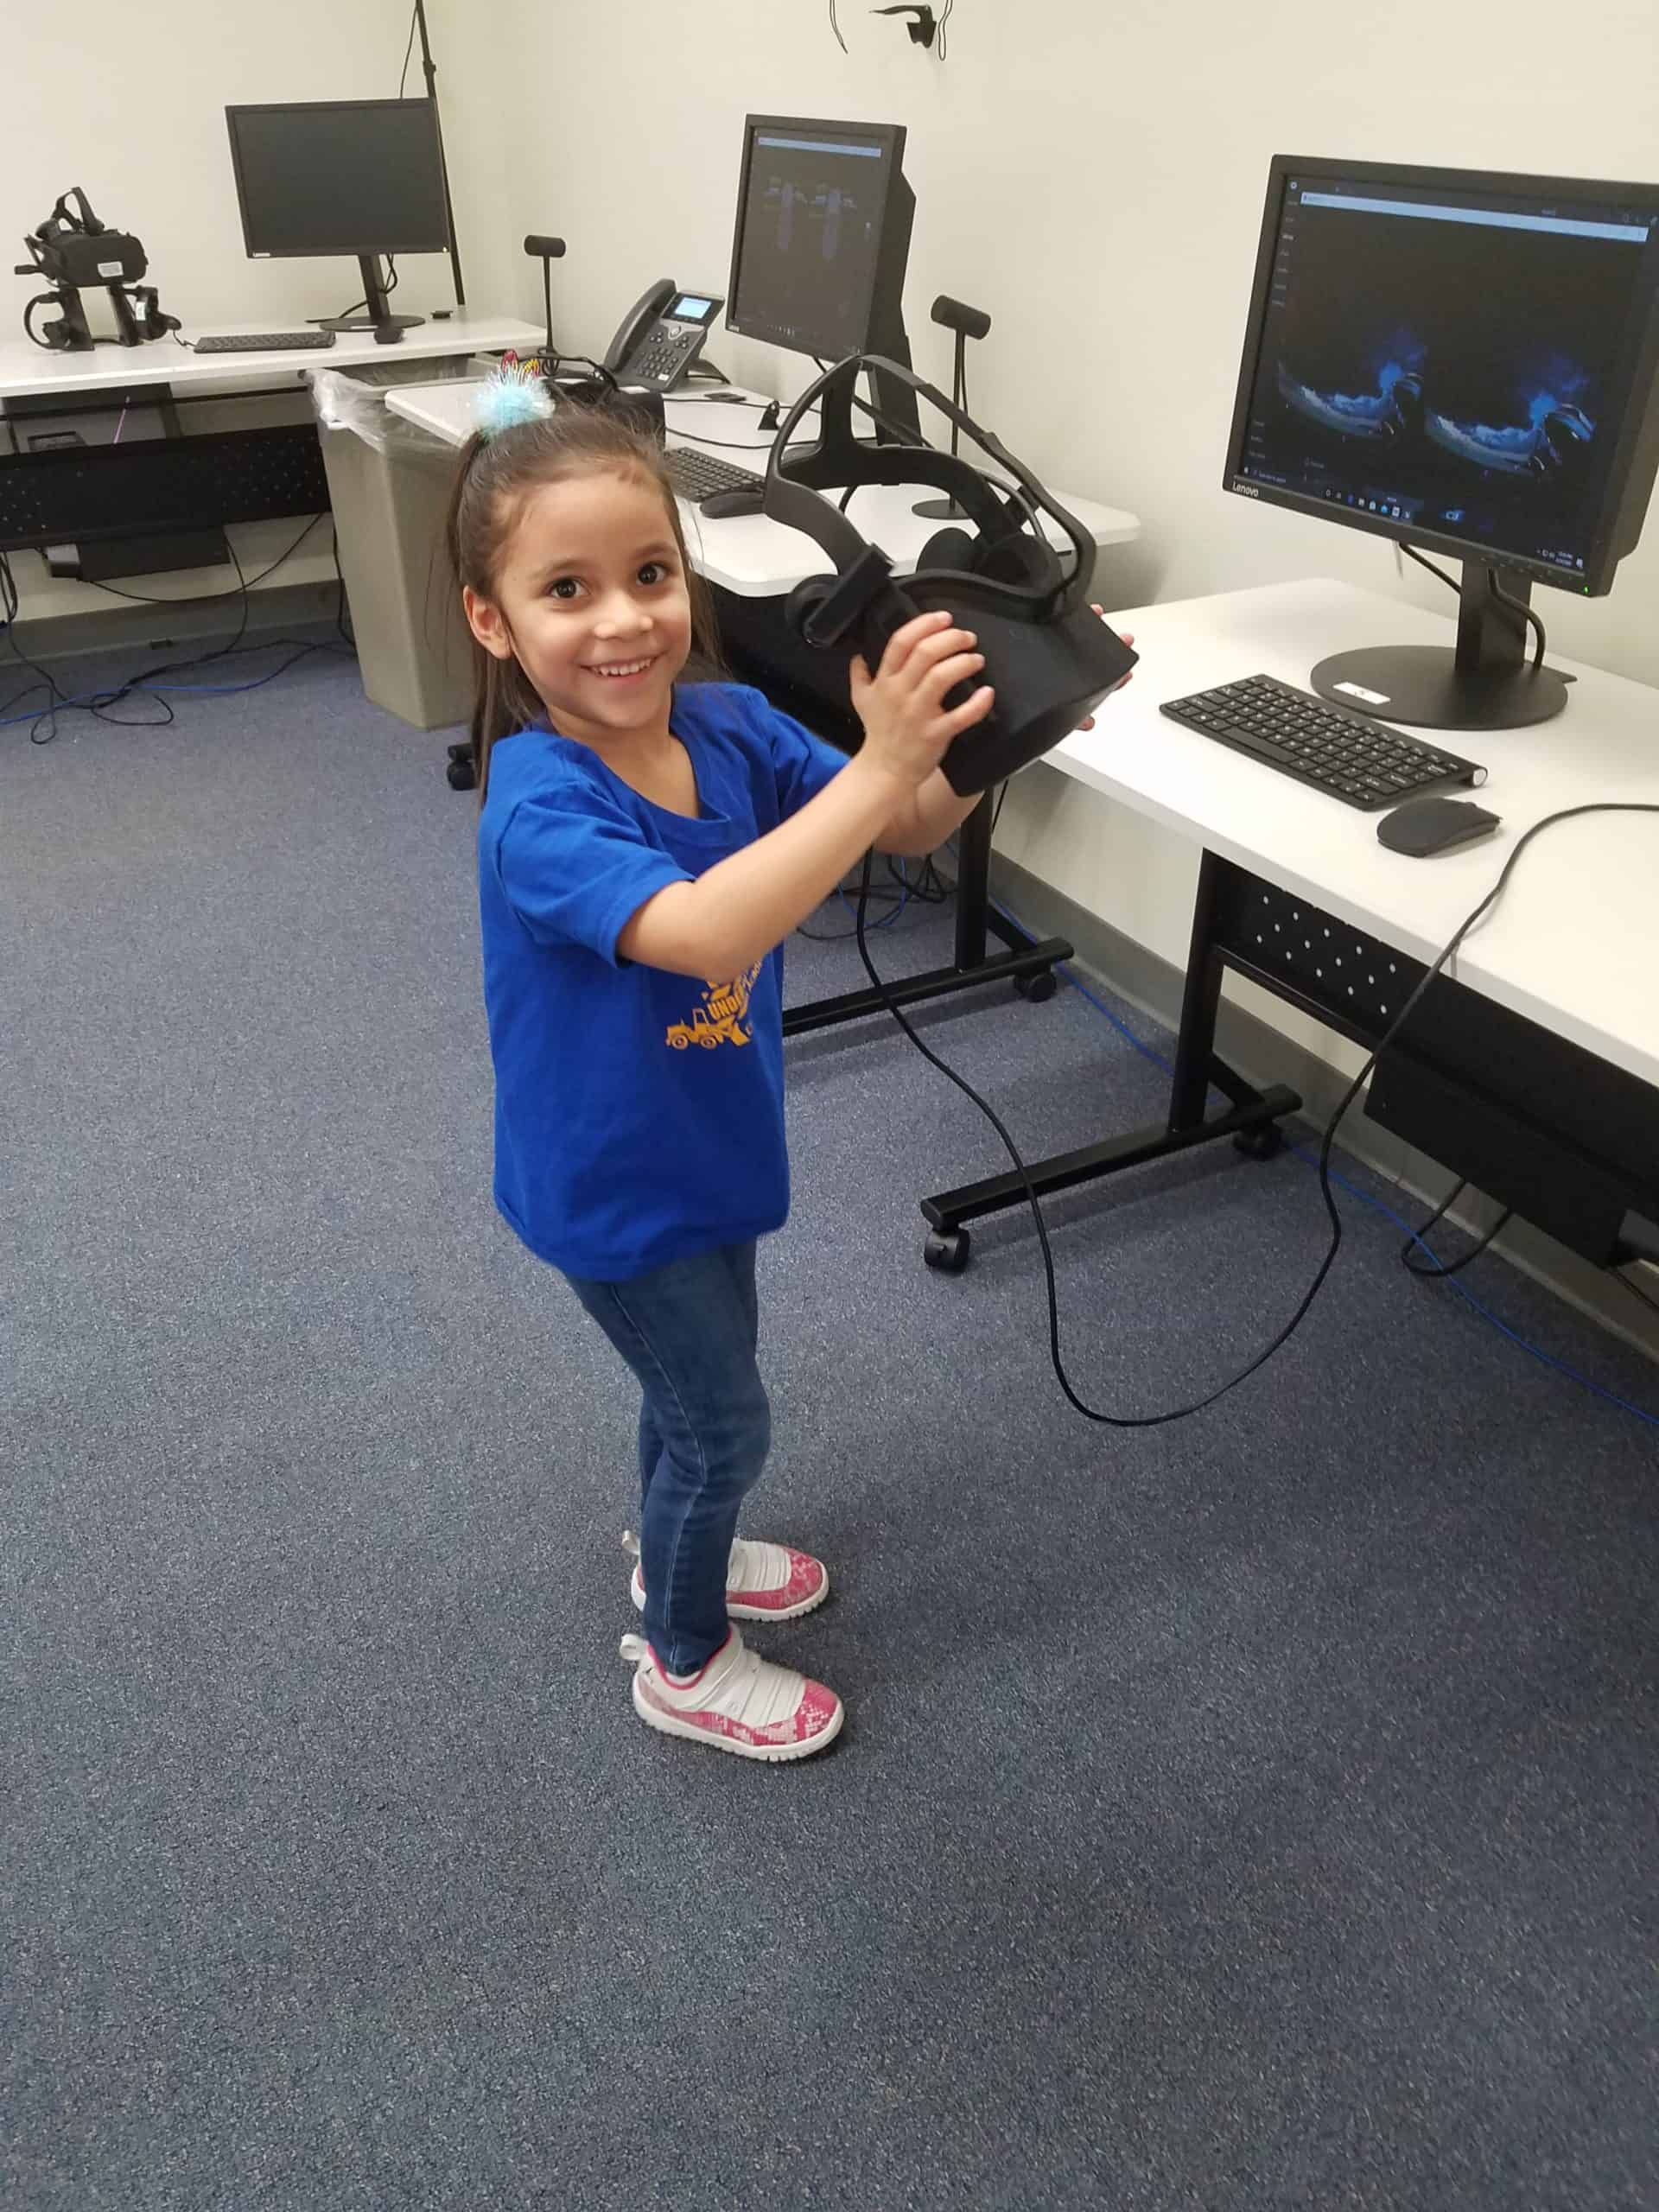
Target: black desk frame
point(86, 493)
point(1568, 1140)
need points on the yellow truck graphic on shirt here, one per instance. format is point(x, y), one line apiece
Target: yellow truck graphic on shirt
point(719, 1019)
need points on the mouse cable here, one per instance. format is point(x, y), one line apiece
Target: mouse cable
point(1182, 1413)
point(1379, 1205)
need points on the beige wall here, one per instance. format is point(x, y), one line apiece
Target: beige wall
point(128, 102)
point(1091, 174)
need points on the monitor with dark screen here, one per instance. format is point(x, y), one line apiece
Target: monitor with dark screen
point(821, 242)
point(357, 177)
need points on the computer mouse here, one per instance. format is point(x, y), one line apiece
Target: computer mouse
point(718, 505)
point(1423, 827)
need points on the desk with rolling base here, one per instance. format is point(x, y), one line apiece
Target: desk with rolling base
point(83, 467)
point(1532, 1065)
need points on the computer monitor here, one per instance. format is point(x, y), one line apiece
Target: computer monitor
point(820, 244)
point(1464, 362)
point(362, 177)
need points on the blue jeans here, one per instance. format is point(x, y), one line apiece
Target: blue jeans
point(688, 1331)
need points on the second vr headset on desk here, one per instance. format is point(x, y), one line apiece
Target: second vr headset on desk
point(1049, 658)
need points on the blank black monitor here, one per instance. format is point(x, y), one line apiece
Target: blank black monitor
point(1463, 361)
point(821, 240)
point(358, 177)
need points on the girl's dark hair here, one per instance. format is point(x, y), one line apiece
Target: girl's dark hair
point(495, 477)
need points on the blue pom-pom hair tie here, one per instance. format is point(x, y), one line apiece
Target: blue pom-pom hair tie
point(514, 395)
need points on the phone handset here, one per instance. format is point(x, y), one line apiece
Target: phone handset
point(631, 331)
point(661, 335)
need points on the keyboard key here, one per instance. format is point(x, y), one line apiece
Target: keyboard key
point(1253, 741)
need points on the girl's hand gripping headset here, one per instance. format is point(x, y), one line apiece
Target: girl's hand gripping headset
point(1048, 655)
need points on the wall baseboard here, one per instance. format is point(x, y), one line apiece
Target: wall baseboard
point(1262, 1054)
point(188, 621)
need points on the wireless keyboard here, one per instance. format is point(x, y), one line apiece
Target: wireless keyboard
point(695, 476)
point(262, 341)
point(1348, 754)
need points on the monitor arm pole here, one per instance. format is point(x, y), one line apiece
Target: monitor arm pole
point(429, 70)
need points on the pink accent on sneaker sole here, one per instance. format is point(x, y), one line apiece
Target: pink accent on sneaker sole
point(816, 1722)
point(804, 1592)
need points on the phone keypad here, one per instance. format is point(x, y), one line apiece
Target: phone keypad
point(664, 353)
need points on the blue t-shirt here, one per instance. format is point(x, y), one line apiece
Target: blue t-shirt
point(638, 1114)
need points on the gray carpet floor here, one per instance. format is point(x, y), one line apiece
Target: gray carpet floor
point(1252, 1812)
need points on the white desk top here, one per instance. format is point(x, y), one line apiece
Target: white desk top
point(751, 555)
point(27, 371)
point(1575, 942)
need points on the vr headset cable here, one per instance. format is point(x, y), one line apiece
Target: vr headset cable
point(1182, 1413)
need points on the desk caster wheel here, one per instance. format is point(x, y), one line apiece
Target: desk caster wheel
point(1260, 1144)
point(1038, 988)
point(948, 1250)
point(462, 776)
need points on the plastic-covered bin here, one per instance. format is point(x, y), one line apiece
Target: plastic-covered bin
point(389, 482)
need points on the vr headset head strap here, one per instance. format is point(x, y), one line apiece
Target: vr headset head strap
point(795, 482)
point(86, 224)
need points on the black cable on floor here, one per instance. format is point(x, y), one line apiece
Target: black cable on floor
point(1449, 1267)
point(44, 728)
point(1326, 1145)
point(928, 890)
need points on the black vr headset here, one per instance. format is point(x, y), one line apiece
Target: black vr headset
point(1049, 657)
point(76, 252)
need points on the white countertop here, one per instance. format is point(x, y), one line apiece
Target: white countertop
point(1575, 942)
point(751, 555)
point(28, 371)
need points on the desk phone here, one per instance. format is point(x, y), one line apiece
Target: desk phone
point(661, 335)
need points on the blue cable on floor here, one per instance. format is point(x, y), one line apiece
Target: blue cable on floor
point(1378, 1205)
point(86, 698)
point(62, 706)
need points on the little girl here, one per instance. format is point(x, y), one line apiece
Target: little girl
point(645, 846)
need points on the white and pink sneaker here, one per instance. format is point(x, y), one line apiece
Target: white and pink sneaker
point(764, 1582)
point(737, 1702)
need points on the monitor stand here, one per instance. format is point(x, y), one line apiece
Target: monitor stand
point(379, 315)
point(1487, 682)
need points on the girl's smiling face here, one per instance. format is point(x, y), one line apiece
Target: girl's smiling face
point(590, 595)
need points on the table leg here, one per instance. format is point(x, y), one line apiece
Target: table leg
point(1250, 1119)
